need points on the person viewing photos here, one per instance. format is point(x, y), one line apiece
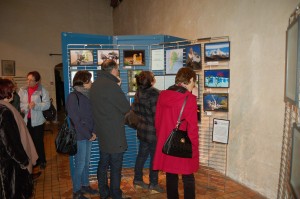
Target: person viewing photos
point(168, 108)
point(79, 110)
point(145, 105)
point(34, 99)
point(109, 108)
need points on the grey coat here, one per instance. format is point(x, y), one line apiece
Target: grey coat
point(109, 106)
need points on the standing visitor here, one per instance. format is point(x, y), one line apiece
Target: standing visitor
point(145, 105)
point(168, 108)
point(80, 113)
point(109, 108)
point(34, 99)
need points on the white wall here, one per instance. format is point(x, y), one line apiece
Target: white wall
point(31, 30)
point(256, 29)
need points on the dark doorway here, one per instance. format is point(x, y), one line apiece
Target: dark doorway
point(59, 87)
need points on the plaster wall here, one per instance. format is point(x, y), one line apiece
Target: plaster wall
point(256, 29)
point(31, 30)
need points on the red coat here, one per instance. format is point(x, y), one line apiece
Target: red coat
point(167, 111)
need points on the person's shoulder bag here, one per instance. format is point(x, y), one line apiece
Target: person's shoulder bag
point(178, 143)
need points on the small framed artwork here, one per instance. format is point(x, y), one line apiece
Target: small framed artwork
point(217, 78)
point(81, 57)
point(215, 102)
point(217, 51)
point(134, 57)
point(132, 86)
point(174, 61)
point(193, 57)
point(8, 67)
point(220, 131)
point(103, 55)
point(295, 161)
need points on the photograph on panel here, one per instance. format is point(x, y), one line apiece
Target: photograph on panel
point(81, 57)
point(219, 51)
point(174, 61)
point(132, 85)
point(108, 54)
point(216, 78)
point(215, 102)
point(193, 57)
point(134, 57)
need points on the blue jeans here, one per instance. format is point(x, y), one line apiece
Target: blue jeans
point(82, 161)
point(114, 161)
point(145, 149)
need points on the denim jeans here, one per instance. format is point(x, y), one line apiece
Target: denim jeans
point(188, 186)
point(82, 162)
point(114, 161)
point(145, 149)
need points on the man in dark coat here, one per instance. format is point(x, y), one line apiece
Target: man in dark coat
point(109, 105)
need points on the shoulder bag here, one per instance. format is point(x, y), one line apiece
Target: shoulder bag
point(50, 113)
point(65, 141)
point(178, 143)
point(132, 119)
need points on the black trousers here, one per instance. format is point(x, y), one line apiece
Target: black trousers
point(37, 135)
point(188, 186)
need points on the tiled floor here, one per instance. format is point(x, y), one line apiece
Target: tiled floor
point(55, 181)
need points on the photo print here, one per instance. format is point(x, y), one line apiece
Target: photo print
point(81, 57)
point(108, 54)
point(132, 85)
point(134, 57)
point(193, 57)
point(216, 78)
point(217, 51)
point(215, 102)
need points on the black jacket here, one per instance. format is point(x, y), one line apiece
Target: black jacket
point(15, 182)
point(109, 105)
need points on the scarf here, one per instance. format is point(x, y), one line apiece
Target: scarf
point(84, 91)
point(26, 139)
point(31, 90)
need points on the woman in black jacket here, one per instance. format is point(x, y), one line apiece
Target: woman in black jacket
point(145, 105)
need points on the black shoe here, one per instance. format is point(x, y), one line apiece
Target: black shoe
point(36, 175)
point(79, 195)
point(43, 165)
point(89, 190)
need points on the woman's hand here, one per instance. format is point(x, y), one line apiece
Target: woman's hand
point(93, 137)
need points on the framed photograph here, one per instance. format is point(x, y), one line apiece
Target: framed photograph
point(8, 67)
point(217, 51)
point(215, 102)
point(81, 57)
point(217, 78)
point(295, 161)
point(132, 86)
point(292, 65)
point(196, 89)
point(134, 57)
point(220, 130)
point(193, 57)
point(103, 55)
point(174, 61)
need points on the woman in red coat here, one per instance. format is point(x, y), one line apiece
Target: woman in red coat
point(168, 108)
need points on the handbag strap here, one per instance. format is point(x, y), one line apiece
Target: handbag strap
point(179, 117)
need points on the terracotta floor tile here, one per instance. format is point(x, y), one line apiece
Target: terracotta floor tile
point(55, 181)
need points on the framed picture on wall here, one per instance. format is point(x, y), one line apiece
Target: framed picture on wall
point(217, 78)
point(134, 57)
point(215, 102)
point(75, 71)
point(103, 55)
point(193, 57)
point(174, 61)
point(81, 57)
point(8, 68)
point(132, 86)
point(295, 161)
point(219, 51)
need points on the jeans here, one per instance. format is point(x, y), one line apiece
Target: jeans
point(145, 149)
point(37, 135)
point(188, 186)
point(82, 161)
point(114, 161)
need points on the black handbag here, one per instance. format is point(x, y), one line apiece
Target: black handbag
point(65, 141)
point(178, 143)
point(50, 113)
